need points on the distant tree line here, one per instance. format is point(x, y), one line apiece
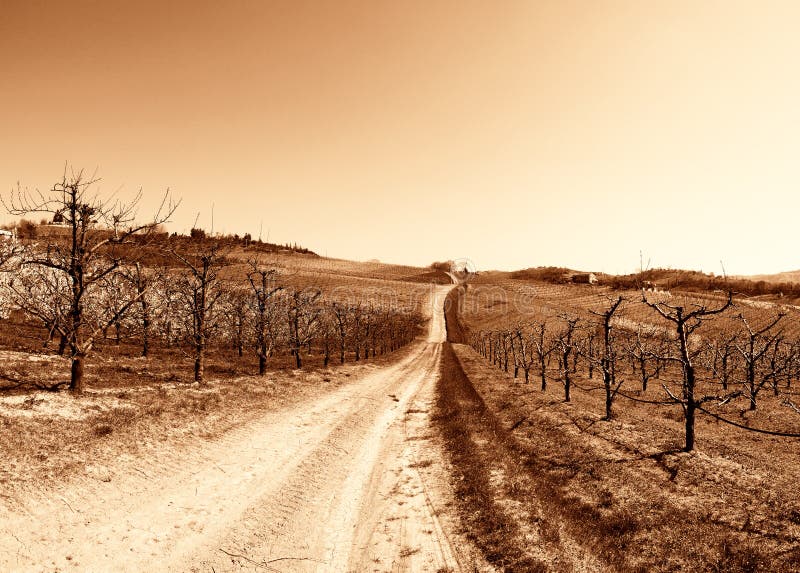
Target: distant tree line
point(54, 227)
point(667, 279)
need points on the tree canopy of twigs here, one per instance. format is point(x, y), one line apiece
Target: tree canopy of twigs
point(74, 270)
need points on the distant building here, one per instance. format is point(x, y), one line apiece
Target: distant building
point(64, 231)
point(584, 278)
point(53, 230)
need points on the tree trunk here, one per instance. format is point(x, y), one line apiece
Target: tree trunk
point(691, 403)
point(690, 412)
point(146, 337)
point(199, 358)
point(199, 364)
point(643, 368)
point(76, 385)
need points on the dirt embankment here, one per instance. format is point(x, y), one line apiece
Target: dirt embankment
point(452, 311)
point(498, 494)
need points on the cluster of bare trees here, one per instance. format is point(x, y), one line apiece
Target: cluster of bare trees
point(703, 353)
point(90, 284)
point(206, 301)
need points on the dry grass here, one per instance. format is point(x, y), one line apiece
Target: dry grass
point(462, 420)
point(623, 492)
point(569, 491)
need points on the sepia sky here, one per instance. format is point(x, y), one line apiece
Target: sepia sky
point(513, 133)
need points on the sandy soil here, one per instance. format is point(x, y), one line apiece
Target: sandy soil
point(351, 482)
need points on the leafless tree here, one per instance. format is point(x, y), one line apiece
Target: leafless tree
point(514, 349)
point(169, 314)
point(303, 315)
point(145, 281)
point(505, 337)
point(524, 352)
point(263, 290)
point(201, 288)
point(644, 347)
point(544, 347)
point(753, 347)
point(565, 343)
point(721, 350)
point(358, 326)
point(237, 310)
point(341, 316)
point(326, 333)
point(115, 291)
point(687, 322)
point(98, 233)
point(42, 293)
point(609, 357)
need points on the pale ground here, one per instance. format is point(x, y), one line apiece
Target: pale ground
point(353, 481)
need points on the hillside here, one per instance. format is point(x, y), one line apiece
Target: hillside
point(784, 286)
point(784, 277)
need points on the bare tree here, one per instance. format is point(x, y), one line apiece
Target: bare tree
point(722, 357)
point(341, 314)
point(327, 333)
point(544, 347)
point(686, 322)
point(201, 288)
point(263, 290)
point(359, 318)
point(42, 293)
point(644, 348)
point(609, 357)
point(505, 336)
point(524, 352)
point(144, 280)
point(755, 343)
point(94, 244)
point(237, 312)
point(514, 349)
point(566, 344)
point(303, 315)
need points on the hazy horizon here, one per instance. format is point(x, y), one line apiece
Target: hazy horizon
point(515, 134)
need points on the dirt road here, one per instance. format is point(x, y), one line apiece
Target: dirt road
point(349, 482)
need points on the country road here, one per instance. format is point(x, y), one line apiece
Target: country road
point(348, 482)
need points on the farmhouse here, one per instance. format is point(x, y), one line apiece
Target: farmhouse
point(584, 278)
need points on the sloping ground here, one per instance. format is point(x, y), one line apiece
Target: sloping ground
point(491, 303)
point(786, 276)
point(435, 277)
point(574, 492)
point(499, 504)
point(337, 267)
